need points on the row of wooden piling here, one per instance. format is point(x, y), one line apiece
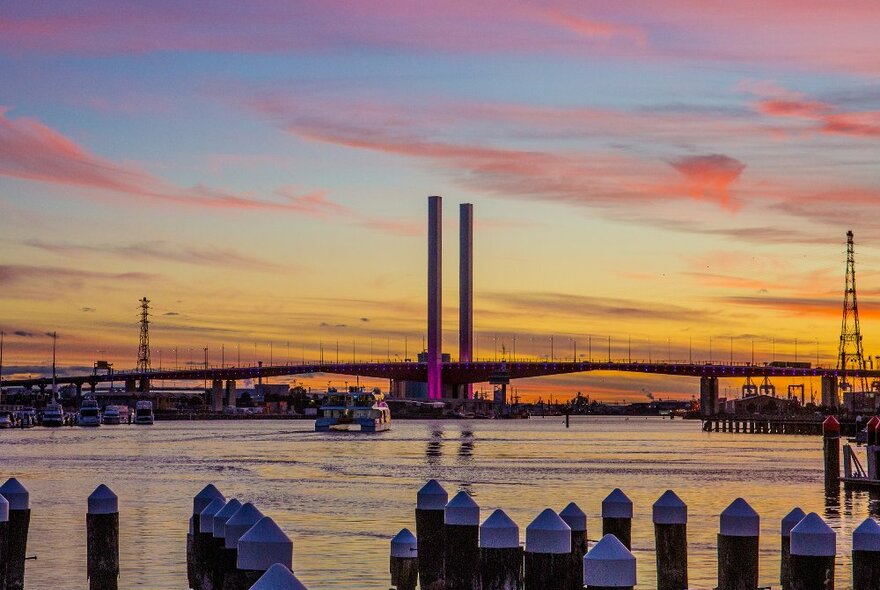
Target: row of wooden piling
point(453, 550)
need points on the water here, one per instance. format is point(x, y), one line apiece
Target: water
point(341, 497)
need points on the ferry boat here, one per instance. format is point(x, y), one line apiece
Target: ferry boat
point(111, 415)
point(53, 415)
point(143, 412)
point(89, 414)
point(355, 410)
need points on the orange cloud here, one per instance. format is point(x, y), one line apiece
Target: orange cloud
point(710, 177)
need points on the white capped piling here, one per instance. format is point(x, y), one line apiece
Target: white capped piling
point(548, 547)
point(617, 513)
point(576, 520)
point(19, 523)
point(461, 540)
point(224, 560)
point(240, 523)
point(738, 547)
point(4, 539)
point(501, 556)
point(788, 523)
point(195, 546)
point(813, 548)
point(866, 556)
point(831, 445)
point(278, 577)
point(670, 539)
point(261, 547)
point(102, 539)
point(609, 565)
point(404, 562)
point(430, 511)
point(203, 543)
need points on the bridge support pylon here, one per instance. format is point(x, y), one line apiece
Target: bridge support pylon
point(230, 393)
point(708, 396)
point(217, 395)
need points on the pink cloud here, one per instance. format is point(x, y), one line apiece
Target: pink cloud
point(710, 177)
point(824, 116)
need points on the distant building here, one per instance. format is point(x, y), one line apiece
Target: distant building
point(860, 402)
point(760, 405)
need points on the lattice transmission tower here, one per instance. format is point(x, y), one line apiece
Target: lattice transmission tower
point(851, 355)
point(144, 346)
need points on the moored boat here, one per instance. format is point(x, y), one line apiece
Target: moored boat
point(143, 412)
point(6, 420)
point(111, 415)
point(355, 410)
point(53, 415)
point(89, 414)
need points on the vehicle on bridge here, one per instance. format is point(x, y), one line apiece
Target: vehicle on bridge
point(355, 410)
point(53, 415)
point(89, 414)
point(143, 412)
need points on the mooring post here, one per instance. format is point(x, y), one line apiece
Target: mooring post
point(788, 522)
point(617, 513)
point(866, 556)
point(576, 520)
point(205, 541)
point(501, 556)
point(831, 442)
point(404, 563)
point(240, 523)
point(278, 577)
point(195, 552)
point(738, 547)
point(609, 565)
point(813, 547)
point(548, 547)
point(670, 538)
point(224, 559)
point(102, 539)
point(19, 522)
point(461, 570)
point(870, 446)
point(430, 511)
point(4, 537)
point(264, 545)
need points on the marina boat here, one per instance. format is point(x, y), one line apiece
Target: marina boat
point(53, 415)
point(89, 413)
point(124, 414)
point(355, 410)
point(26, 418)
point(6, 420)
point(111, 415)
point(143, 412)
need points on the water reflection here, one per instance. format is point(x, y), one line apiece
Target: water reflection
point(434, 449)
point(466, 447)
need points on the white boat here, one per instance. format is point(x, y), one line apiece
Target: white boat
point(89, 413)
point(53, 415)
point(6, 420)
point(143, 412)
point(355, 410)
point(26, 418)
point(110, 415)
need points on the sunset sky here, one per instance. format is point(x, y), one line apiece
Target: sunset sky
point(660, 172)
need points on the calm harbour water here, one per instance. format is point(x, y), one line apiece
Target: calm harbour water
point(341, 497)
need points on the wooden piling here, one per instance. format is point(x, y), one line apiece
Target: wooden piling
point(264, 545)
point(576, 520)
point(4, 538)
point(204, 541)
point(195, 555)
point(224, 558)
point(866, 556)
point(738, 547)
point(788, 522)
point(461, 529)
point(501, 556)
point(548, 548)
point(617, 513)
point(102, 539)
point(404, 562)
point(831, 443)
point(430, 511)
point(813, 547)
point(278, 577)
point(609, 566)
point(17, 534)
point(670, 539)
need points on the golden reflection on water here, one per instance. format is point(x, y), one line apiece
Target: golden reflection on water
point(342, 496)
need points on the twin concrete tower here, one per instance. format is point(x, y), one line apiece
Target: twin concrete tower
point(435, 293)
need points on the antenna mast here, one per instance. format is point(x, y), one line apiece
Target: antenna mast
point(850, 355)
point(143, 363)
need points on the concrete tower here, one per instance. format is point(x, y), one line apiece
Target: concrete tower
point(435, 302)
point(466, 288)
